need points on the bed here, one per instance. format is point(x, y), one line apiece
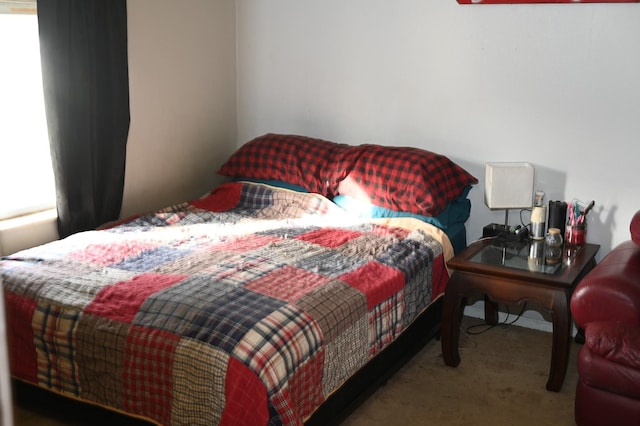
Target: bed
point(262, 302)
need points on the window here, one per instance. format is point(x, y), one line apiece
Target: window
point(26, 175)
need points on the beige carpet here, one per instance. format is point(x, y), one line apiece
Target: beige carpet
point(500, 381)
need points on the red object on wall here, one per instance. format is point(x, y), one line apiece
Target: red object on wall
point(543, 1)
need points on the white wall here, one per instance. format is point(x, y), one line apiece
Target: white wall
point(555, 85)
point(182, 99)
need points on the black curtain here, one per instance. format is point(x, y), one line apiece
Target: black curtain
point(83, 47)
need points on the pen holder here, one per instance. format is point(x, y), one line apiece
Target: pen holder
point(576, 234)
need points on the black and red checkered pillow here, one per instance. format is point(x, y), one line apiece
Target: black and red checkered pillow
point(399, 178)
point(296, 160)
point(404, 179)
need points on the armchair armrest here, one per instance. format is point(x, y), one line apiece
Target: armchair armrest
point(634, 227)
point(615, 342)
point(611, 291)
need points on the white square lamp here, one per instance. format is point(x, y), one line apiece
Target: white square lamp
point(508, 186)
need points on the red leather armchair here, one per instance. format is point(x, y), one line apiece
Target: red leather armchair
point(606, 305)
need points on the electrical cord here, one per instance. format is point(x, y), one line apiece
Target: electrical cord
point(528, 225)
point(506, 322)
point(488, 327)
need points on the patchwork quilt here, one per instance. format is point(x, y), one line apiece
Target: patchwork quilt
point(250, 305)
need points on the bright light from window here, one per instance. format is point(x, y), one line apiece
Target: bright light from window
point(26, 176)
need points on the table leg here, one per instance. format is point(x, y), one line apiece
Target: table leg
point(561, 317)
point(451, 320)
point(490, 311)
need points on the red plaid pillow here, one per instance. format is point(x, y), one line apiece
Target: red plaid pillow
point(404, 179)
point(398, 178)
point(297, 160)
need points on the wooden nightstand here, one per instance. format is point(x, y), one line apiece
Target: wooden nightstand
point(506, 275)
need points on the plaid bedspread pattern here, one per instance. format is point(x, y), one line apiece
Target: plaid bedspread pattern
point(247, 306)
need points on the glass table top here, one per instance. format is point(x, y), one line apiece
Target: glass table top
point(527, 255)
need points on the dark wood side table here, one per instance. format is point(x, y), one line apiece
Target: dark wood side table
point(510, 274)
